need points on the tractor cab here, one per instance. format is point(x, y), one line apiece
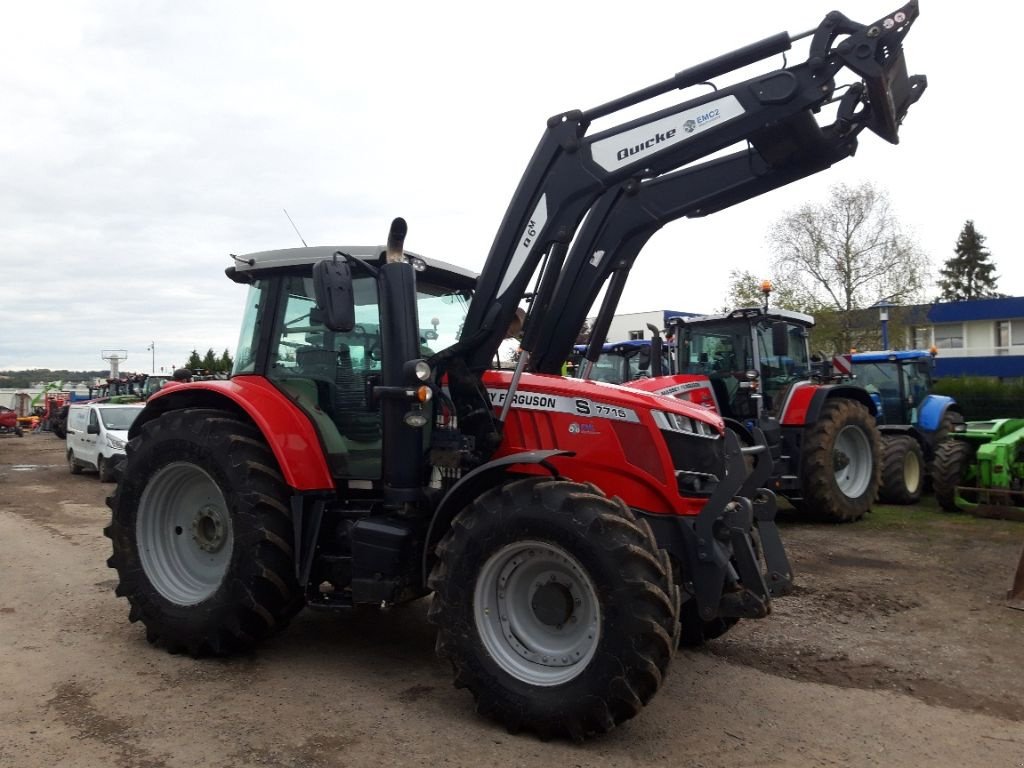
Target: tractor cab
point(624, 361)
point(902, 381)
point(751, 356)
point(330, 374)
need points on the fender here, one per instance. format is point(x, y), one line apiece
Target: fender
point(472, 485)
point(804, 403)
point(287, 430)
point(933, 408)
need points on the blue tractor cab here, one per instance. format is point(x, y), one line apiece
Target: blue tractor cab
point(623, 361)
point(912, 420)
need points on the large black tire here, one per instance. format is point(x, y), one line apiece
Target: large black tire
point(841, 462)
point(73, 465)
point(946, 426)
point(202, 537)
point(951, 460)
point(541, 568)
point(903, 470)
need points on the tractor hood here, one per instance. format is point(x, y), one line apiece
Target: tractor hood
point(543, 392)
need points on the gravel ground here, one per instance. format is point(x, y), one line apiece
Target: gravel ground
point(896, 650)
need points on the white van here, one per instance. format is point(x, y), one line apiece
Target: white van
point(97, 434)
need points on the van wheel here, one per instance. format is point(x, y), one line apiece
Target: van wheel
point(105, 470)
point(74, 466)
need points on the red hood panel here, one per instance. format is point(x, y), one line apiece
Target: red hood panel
point(589, 398)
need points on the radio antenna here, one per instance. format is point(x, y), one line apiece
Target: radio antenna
point(295, 228)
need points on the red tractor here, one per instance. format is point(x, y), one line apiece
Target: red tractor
point(9, 422)
point(359, 458)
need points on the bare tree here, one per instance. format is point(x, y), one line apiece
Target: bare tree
point(849, 252)
point(846, 254)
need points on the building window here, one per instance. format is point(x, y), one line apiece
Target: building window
point(922, 337)
point(1002, 333)
point(636, 335)
point(1017, 333)
point(949, 336)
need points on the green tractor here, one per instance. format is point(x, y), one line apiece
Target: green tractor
point(981, 470)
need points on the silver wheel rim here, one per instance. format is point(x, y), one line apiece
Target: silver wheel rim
point(851, 458)
point(537, 613)
point(911, 471)
point(184, 533)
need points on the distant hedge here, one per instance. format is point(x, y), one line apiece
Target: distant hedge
point(983, 398)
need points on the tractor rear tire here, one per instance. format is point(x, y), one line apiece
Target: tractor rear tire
point(202, 536)
point(841, 462)
point(903, 470)
point(951, 460)
point(555, 607)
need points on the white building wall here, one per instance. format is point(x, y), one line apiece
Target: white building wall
point(636, 321)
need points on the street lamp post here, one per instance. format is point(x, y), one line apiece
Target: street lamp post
point(152, 348)
point(883, 315)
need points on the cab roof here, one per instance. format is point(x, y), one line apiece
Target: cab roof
point(297, 257)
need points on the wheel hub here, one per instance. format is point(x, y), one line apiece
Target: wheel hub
point(537, 612)
point(840, 461)
point(208, 529)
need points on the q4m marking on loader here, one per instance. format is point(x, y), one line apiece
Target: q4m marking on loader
point(361, 454)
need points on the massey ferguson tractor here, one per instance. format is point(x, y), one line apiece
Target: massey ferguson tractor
point(572, 533)
point(753, 367)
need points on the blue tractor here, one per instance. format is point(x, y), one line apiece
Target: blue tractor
point(913, 421)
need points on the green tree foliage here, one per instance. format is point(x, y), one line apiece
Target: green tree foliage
point(969, 274)
point(194, 362)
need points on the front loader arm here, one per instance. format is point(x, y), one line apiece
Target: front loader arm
point(570, 170)
point(627, 216)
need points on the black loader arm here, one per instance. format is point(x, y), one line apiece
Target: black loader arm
point(570, 170)
point(626, 215)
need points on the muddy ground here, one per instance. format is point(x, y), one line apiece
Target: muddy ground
point(896, 650)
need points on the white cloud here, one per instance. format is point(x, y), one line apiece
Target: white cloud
point(145, 142)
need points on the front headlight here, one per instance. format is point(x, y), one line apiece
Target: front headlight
point(113, 442)
point(676, 422)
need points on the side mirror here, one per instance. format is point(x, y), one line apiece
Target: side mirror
point(780, 339)
point(643, 359)
point(332, 286)
point(93, 429)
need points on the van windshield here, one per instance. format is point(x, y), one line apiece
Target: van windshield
point(118, 418)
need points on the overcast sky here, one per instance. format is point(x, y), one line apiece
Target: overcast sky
point(143, 142)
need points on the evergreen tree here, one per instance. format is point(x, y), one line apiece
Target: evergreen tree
point(209, 361)
point(969, 274)
point(194, 362)
point(225, 364)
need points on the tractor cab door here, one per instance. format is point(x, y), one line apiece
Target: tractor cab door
point(328, 373)
point(783, 359)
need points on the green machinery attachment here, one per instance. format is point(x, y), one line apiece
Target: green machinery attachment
point(981, 470)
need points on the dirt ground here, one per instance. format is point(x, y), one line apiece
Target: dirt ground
point(896, 650)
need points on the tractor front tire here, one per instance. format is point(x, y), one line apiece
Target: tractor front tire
point(951, 460)
point(202, 536)
point(555, 607)
point(840, 464)
point(903, 470)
